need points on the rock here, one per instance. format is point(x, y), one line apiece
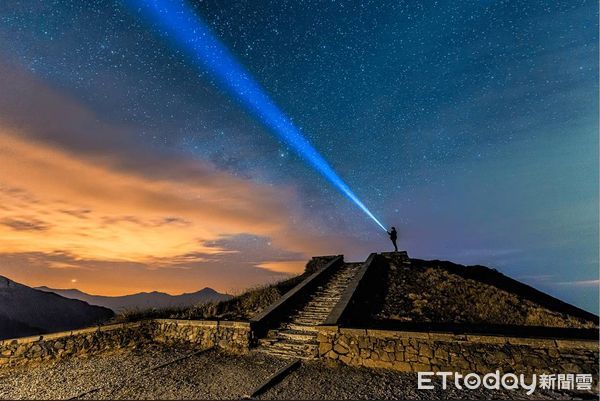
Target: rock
point(332, 355)
point(424, 350)
point(340, 349)
point(441, 354)
point(402, 366)
point(324, 348)
point(345, 359)
point(364, 343)
point(343, 341)
point(390, 346)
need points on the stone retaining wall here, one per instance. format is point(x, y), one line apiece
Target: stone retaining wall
point(77, 342)
point(429, 351)
point(231, 336)
point(234, 337)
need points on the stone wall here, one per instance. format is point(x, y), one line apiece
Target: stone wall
point(429, 351)
point(234, 337)
point(77, 342)
point(230, 336)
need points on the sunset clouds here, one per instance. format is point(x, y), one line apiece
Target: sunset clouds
point(69, 205)
point(55, 200)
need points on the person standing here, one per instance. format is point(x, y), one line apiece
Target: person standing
point(394, 236)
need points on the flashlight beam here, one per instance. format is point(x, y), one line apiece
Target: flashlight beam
point(177, 21)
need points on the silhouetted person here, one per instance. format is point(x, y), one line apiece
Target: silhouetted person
point(394, 236)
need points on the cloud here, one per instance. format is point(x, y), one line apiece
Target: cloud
point(71, 185)
point(581, 283)
point(130, 216)
point(25, 224)
point(238, 265)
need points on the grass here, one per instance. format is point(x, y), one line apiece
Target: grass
point(241, 307)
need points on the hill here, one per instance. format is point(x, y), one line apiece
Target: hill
point(143, 300)
point(26, 311)
point(405, 291)
point(433, 291)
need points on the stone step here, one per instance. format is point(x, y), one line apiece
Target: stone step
point(325, 295)
point(297, 343)
point(292, 349)
point(287, 354)
point(308, 322)
point(310, 319)
point(339, 285)
point(316, 309)
point(326, 298)
point(303, 313)
point(334, 286)
point(311, 315)
point(267, 341)
point(320, 306)
point(337, 288)
point(292, 345)
point(329, 296)
point(308, 313)
point(331, 301)
point(295, 335)
point(300, 327)
point(330, 291)
point(322, 302)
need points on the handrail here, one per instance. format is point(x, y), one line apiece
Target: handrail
point(341, 306)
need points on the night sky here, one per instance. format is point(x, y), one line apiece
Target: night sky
point(470, 126)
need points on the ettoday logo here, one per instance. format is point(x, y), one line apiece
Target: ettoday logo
point(508, 381)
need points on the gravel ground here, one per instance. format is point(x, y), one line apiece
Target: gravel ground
point(315, 380)
point(215, 375)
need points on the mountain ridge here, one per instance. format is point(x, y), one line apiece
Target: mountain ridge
point(141, 300)
point(28, 311)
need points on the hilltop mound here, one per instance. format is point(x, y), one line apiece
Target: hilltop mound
point(436, 291)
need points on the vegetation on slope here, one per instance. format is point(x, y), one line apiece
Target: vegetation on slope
point(241, 307)
point(444, 292)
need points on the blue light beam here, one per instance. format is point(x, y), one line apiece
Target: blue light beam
point(175, 20)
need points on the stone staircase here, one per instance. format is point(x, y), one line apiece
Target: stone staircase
point(296, 337)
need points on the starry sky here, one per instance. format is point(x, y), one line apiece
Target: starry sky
point(471, 126)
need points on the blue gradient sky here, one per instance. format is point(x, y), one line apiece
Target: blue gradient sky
point(470, 126)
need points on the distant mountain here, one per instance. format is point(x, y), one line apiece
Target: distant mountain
point(26, 311)
point(142, 300)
